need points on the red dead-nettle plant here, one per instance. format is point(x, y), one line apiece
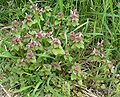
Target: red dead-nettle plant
point(44, 45)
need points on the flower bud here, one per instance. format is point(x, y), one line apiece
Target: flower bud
point(60, 15)
point(15, 23)
point(100, 44)
point(102, 56)
point(24, 21)
point(57, 65)
point(40, 10)
point(72, 36)
point(95, 52)
point(118, 76)
point(76, 68)
point(34, 6)
point(29, 55)
point(78, 37)
point(47, 9)
point(28, 18)
point(23, 60)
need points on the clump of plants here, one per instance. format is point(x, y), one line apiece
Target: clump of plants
point(42, 55)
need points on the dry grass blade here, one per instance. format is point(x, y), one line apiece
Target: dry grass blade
point(88, 93)
point(8, 95)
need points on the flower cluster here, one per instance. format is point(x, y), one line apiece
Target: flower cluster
point(56, 41)
point(76, 37)
point(48, 35)
point(39, 35)
point(60, 15)
point(29, 55)
point(15, 23)
point(73, 15)
point(16, 40)
point(97, 51)
point(49, 44)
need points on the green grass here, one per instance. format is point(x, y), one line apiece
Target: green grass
point(98, 20)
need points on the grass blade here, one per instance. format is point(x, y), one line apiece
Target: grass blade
point(22, 89)
point(51, 89)
point(36, 88)
point(61, 5)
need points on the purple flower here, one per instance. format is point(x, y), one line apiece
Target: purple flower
point(95, 52)
point(118, 76)
point(77, 39)
point(28, 18)
point(39, 35)
point(110, 64)
point(24, 21)
point(34, 6)
point(102, 56)
point(48, 35)
point(40, 10)
point(73, 15)
point(100, 44)
point(29, 55)
point(23, 60)
point(56, 41)
point(30, 45)
point(15, 23)
point(72, 36)
point(16, 40)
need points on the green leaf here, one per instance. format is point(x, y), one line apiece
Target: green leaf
point(45, 28)
point(44, 56)
point(79, 45)
point(33, 60)
point(58, 51)
point(41, 18)
point(65, 35)
point(33, 22)
point(94, 58)
point(80, 82)
point(57, 22)
point(32, 32)
point(73, 76)
point(16, 47)
point(7, 55)
point(70, 58)
point(75, 23)
point(24, 26)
